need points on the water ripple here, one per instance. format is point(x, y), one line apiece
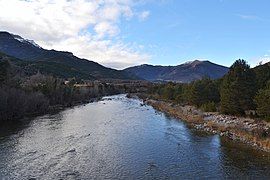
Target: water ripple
point(121, 138)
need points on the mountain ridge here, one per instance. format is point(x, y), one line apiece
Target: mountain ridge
point(67, 65)
point(28, 50)
point(186, 72)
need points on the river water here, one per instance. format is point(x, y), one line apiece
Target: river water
point(120, 138)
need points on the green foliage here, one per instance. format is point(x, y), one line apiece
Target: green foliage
point(209, 107)
point(196, 93)
point(262, 101)
point(204, 91)
point(168, 91)
point(262, 75)
point(234, 92)
point(238, 89)
point(55, 69)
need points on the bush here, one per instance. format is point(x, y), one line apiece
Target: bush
point(209, 107)
point(16, 103)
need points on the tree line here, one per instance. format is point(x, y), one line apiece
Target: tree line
point(22, 95)
point(242, 91)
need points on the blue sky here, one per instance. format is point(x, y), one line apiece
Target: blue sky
point(122, 33)
point(217, 30)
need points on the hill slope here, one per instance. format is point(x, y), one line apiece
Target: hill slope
point(262, 74)
point(182, 73)
point(58, 62)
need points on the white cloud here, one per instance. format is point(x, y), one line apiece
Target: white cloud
point(106, 28)
point(143, 15)
point(252, 17)
point(86, 28)
point(264, 60)
point(248, 17)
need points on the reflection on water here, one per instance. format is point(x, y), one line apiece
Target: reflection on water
point(117, 138)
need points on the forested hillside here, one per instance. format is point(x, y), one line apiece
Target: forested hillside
point(243, 91)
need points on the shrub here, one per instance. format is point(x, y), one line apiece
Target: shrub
point(209, 107)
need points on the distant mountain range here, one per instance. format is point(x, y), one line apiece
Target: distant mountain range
point(32, 59)
point(186, 72)
point(58, 63)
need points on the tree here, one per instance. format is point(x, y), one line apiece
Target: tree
point(262, 101)
point(4, 65)
point(238, 89)
point(169, 91)
point(204, 91)
point(262, 74)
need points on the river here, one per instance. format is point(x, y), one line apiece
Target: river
point(121, 138)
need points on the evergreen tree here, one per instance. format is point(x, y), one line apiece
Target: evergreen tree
point(262, 101)
point(204, 91)
point(169, 91)
point(262, 74)
point(238, 89)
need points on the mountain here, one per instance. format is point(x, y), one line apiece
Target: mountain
point(58, 63)
point(186, 72)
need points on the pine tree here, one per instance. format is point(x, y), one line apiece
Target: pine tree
point(262, 101)
point(262, 74)
point(238, 89)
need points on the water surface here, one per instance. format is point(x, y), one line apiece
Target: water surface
point(120, 138)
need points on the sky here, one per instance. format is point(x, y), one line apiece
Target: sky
point(123, 33)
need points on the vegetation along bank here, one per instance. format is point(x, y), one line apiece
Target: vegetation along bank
point(236, 106)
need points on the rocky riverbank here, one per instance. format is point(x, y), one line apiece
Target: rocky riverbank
point(246, 130)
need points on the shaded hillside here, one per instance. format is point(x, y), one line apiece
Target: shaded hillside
point(182, 73)
point(56, 62)
point(12, 66)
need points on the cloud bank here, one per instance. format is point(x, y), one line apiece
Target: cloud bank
point(263, 60)
point(89, 29)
